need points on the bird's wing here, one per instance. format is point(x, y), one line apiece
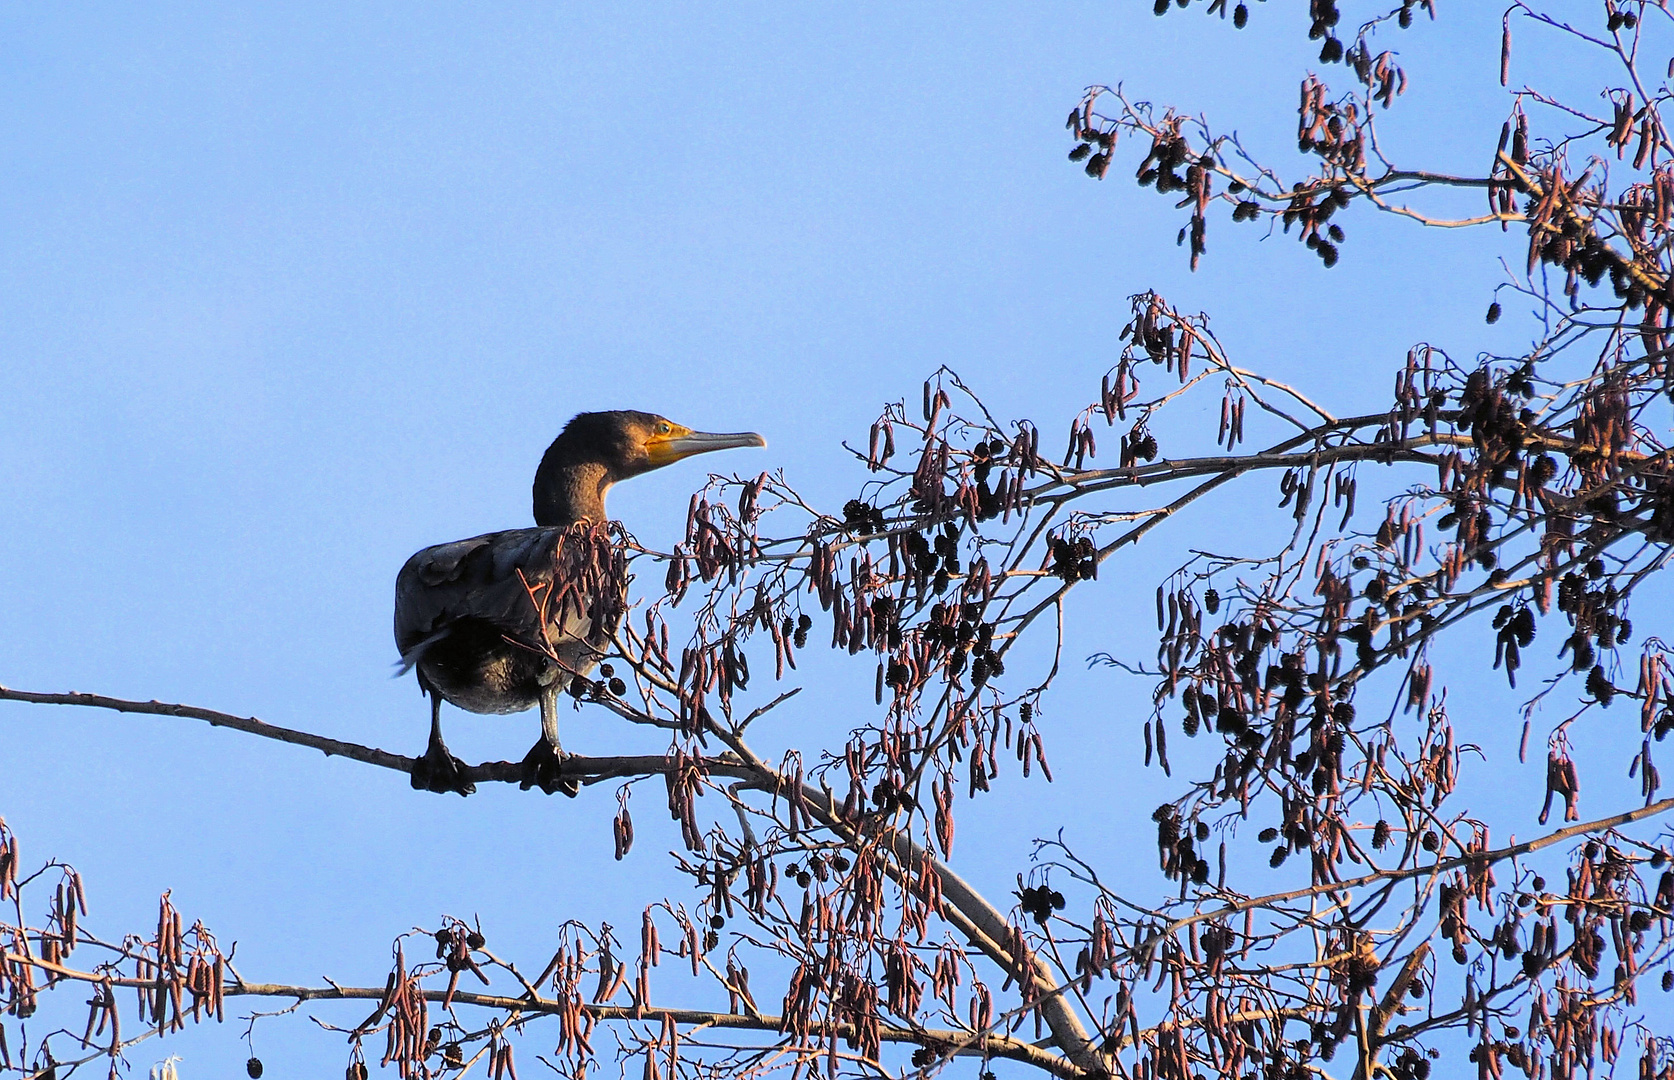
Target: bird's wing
point(469, 579)
point(501, 578)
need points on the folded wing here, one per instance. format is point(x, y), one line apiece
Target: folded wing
point(503, 579)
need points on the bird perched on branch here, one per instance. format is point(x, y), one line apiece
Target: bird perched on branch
point(504, 621)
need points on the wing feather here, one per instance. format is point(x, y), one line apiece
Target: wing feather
point(476, 578)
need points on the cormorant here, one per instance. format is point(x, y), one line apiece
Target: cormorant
point(465, 612)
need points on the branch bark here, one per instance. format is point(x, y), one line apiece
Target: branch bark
point(1441, 866)
point(965, 908)
point(963, 1043)
point(589, 770)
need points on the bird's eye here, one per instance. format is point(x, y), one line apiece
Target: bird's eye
point(663, 427)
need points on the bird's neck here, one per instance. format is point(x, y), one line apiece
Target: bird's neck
point(567, 492)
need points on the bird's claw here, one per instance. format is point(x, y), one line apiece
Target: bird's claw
point(441, 772)
point(543, 767)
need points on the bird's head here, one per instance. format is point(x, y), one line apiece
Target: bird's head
point(597, 449)
point(646, 441)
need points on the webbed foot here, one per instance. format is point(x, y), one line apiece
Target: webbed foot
point(439, 771)
point(543, 767)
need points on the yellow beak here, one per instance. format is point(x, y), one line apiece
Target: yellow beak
point(684, 443)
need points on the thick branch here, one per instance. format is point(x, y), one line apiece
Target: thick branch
point(987, 929)
point(965, 908)
point(588, 770)
point(967, 1043)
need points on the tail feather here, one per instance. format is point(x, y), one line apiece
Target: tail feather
point(414, 655)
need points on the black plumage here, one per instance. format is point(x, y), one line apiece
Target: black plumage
point(502, 622)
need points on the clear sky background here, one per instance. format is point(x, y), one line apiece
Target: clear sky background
point(289, 292)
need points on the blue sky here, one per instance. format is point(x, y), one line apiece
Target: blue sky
point(292, 291)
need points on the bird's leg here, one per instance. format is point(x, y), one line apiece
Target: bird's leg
point(543, 765)
point(438, 770)
point(549, 721)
